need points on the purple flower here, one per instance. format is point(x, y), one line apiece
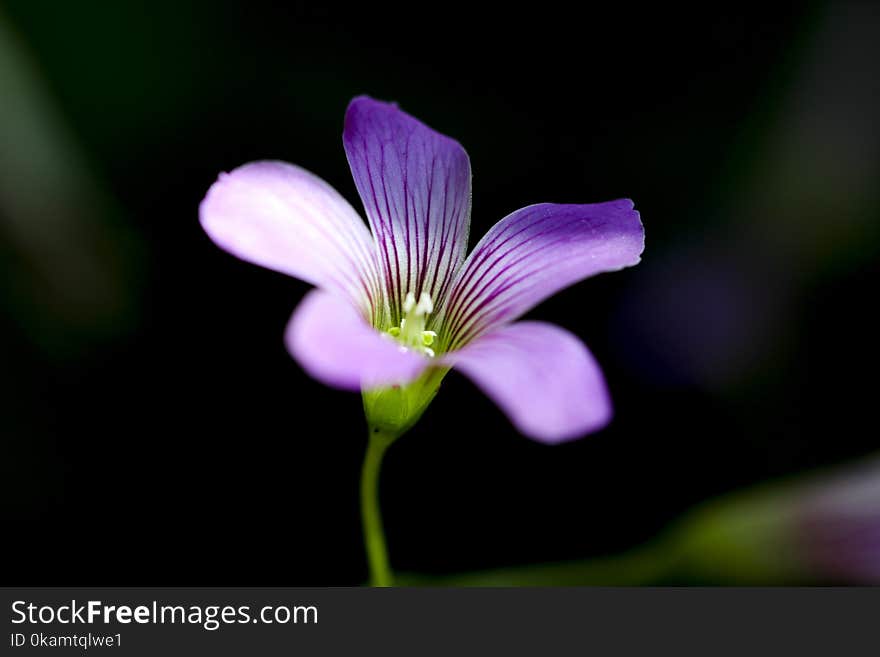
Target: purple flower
point(837, 525)
point(399, 304)
point(821, 528)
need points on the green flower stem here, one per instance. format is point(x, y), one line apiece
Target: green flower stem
point(374, 535)
point(390, 412)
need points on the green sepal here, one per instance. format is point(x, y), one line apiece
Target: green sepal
point(392, 411)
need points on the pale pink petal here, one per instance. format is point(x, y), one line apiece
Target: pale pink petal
point(333, 342)
point(541, 376)
point(280, 216)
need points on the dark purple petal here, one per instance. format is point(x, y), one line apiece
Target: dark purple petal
point(542, 377)
point(280, 216)
point(416, 187)
point(335, 345)
point(533, 253)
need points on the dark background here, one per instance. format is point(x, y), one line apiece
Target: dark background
point(154, 429)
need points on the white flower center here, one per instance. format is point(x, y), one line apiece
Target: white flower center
point(411, 333)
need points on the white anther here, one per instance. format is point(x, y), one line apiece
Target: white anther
point(412, 333)
point(409, 302)
point(426, 306)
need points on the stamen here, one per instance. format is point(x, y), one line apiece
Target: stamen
point(411, 333)
point(426, 306)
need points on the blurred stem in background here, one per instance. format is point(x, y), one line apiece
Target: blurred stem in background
point(65, 277)
point(69, 270)
point(817, 529)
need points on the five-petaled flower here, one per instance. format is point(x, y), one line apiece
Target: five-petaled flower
point(399, 304)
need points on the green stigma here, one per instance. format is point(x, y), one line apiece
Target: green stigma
point(411, 333)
